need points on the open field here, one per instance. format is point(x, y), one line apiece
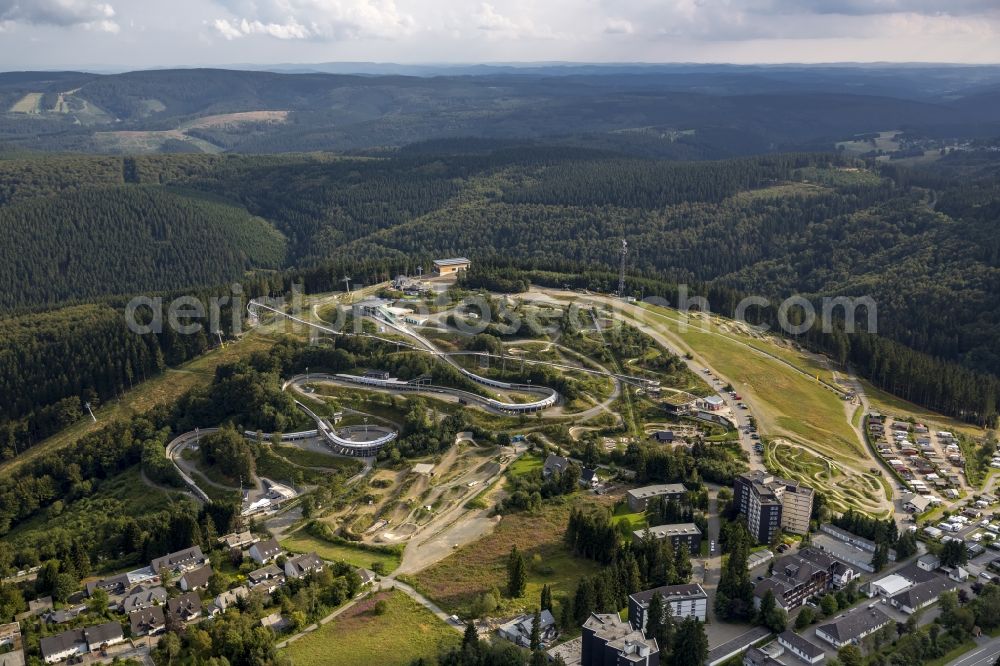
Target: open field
point(164, 389)
point(240, 118)
point(30, 103)
point(302, 542)
point(886, 140)
point(473, 570)
point(404, 632)
point(146, 141)
point(780, 191)
point(791, 397)
point(136, 141)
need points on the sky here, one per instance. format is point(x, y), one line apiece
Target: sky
point(132, 34)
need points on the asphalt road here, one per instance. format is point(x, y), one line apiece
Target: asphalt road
point(984, 655)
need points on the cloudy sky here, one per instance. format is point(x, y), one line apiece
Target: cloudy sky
point(144, 33)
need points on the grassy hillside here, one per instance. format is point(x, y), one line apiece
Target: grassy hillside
point(395, 636)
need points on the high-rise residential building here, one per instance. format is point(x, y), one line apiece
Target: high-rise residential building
point(769, 502)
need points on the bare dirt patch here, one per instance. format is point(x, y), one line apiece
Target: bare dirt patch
point(231, 119)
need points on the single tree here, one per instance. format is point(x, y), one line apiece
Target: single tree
point(828, 604)
point(470, 640)
point(767, 604)
point(517, 575)
point(536, 631)
point(654, 615)
point(881, 557)
point(546, 598)
point(690, 644)
point(851, 655)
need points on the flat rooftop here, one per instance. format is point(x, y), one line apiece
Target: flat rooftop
point(657, 490)
point(663, 531)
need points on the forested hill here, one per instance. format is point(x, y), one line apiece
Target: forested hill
point(921, 241)
point(125, 239)
point(683, 113)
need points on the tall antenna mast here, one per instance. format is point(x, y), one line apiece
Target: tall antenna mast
point(621, 271)
point(347, 283)
point(87, 405)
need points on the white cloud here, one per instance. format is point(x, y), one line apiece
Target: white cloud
point(618, 26)
point(235, 29)
point(267, 31)
point(314, 19)
point(63, 13)
point(920, 25)
point(514, 23)
point(490, 20)
point(102, 26)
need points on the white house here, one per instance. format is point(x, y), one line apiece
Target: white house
point(263, 552)
point(195, 579)
point(300, 565)
point(922, 595)
point(851, 627)
point(589, 478)
point(928, 562)
point(230, 597)
point(801, 648)
point(518, 630)
point(63, 646)
point(889, 586)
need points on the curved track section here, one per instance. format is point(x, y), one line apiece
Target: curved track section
point(548, 400)
point(549, 396)
point(427, 347)
point(174, 448)
point(344, 446)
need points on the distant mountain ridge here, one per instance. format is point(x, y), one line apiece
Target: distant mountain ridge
point(773, 108)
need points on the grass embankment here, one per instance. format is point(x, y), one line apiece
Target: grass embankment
point(953, 654)
point(404, 632)
point(792, 400)
point(471, 571)
point(310, 458)
point(356, 555)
